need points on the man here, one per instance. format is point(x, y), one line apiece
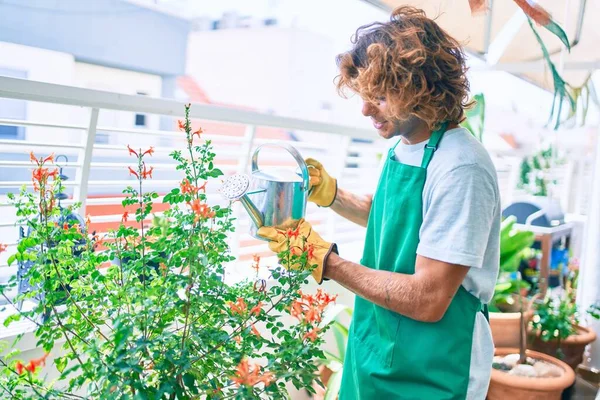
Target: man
point(431, 253)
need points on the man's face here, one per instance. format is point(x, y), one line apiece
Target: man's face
point(387, 128)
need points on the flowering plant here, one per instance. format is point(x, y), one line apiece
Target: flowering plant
point(144, 312)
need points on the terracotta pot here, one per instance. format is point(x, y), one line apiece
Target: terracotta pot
point(506, 328)
point(324, 373)
point(572, 347)
point(504, 386)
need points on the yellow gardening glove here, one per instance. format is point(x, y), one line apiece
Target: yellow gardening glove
point(323, 187)
point(301, 239)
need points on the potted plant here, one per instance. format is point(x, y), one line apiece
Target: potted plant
point(504, 307)
point(160, 322)
point(521, 374)
point(535, 175)
point(555, 328)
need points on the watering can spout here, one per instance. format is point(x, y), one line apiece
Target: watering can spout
point(236, 188)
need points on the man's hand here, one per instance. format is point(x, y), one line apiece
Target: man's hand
point(323, 186)
point(299, 240)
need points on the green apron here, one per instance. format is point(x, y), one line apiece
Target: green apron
point(390, 356)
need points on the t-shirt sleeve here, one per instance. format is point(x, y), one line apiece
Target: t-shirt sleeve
point(459, 217)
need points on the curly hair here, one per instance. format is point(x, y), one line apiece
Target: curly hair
point(410, 62)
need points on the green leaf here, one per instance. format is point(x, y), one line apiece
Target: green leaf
point(215, 173)
point(12, 318)
point(61, 363)
point(559, 32)
point(11, 259)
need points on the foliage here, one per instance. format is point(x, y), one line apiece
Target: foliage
point(513, 244)
point(535, 170)
point(145, 312)
point(475, 117)
point(554, 318)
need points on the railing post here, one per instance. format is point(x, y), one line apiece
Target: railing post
point(85, 157)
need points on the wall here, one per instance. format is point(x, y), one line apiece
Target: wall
point(109, 32)
point(287, 71)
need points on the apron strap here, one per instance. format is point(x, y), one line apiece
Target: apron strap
point(432, 145)
point(485, 311)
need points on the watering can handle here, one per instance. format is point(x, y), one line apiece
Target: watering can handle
point(293, 152)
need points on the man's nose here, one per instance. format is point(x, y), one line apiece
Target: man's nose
point(368, 109)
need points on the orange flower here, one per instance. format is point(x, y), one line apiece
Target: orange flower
point(181, 125)
point(203, 187)
point(147, 173)
point(239, 307)
point(256, 262)
point(255, 331)
point(257, 308)
point(293, 233)
point(198, 132)
point(32, 157)
point(312, 334)
point(187, 187)
point(310, 250)
point(150, 151)
point(245, 375)
point(309, 308)
point(3, 247)
point(238, 339)
point(88, 221)
point(313, 315)
point(66, 226)
point(40, 175)
point(32, 365)
point(19, 367)
point(201, 210)
point(50, 158)
point(132, 172)
point(132, 151)
point(125, 216)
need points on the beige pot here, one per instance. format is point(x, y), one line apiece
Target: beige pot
point(572, 347)
point(504, 386)
point(506, 327)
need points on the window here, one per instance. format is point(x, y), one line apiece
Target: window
point(140, 119)
point(12, 109)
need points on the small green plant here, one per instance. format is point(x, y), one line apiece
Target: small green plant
point(534, 175)
point(513, 245)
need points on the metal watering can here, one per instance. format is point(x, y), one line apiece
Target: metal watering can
point(274, 197)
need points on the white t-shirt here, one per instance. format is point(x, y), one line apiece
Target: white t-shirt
point(461, 225)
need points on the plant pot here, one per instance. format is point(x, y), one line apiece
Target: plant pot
point(572, 347)
point(504, 386)
point(506, 327)
point(324, 374)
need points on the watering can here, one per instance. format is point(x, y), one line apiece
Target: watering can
point(272, 197)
